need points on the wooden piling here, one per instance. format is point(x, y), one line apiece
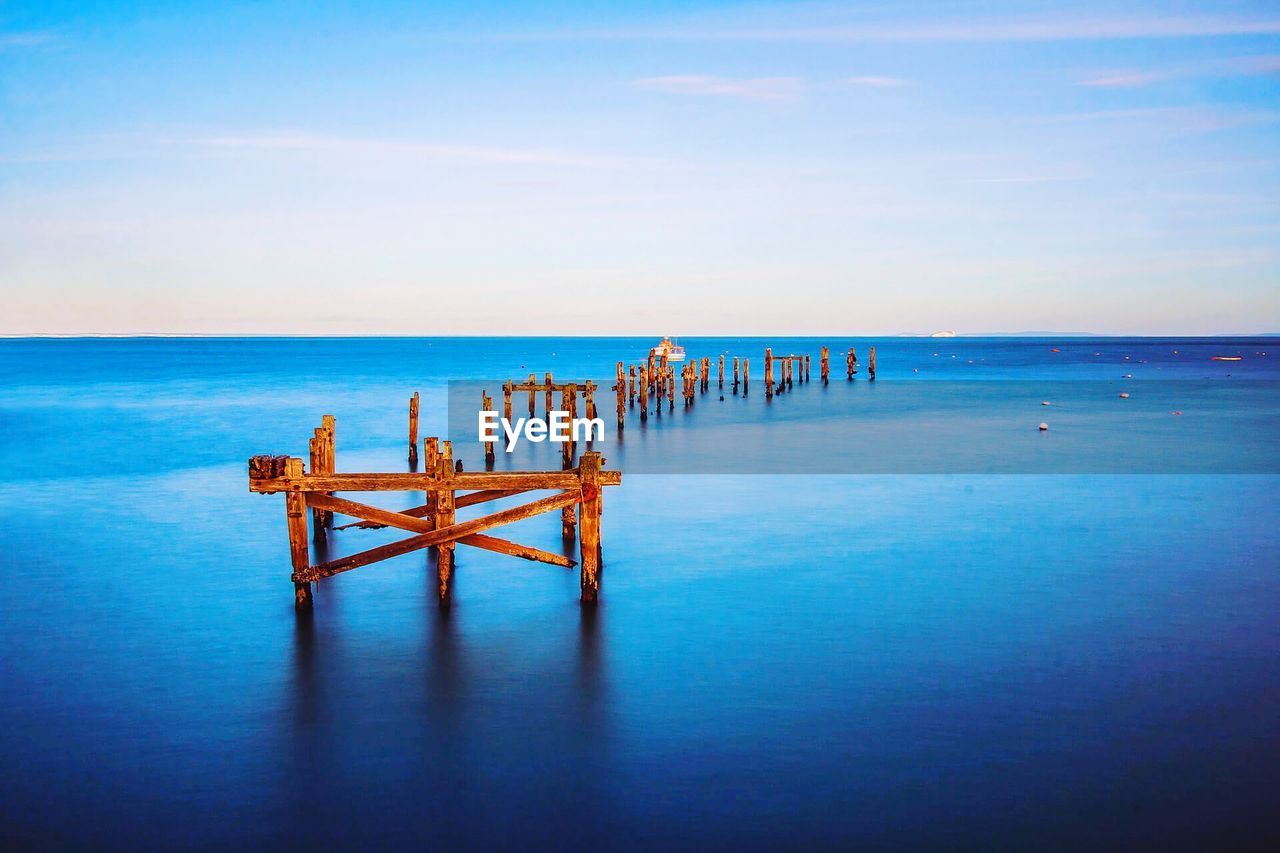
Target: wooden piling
point(413, 428)
point(590, 509)
point(871, 364)
point(671, 387)
point(444, 516)
point(631, 384)
point(720, 374)
point(644, 393)
point(533, 394)
point(825, 367)
point(735, 374)
point(620, 387)
point(486, 405)
point(295, 505)
point(768, 373)
point(316, 466)
point(506, 400)
point(548, 393)
point(746, 375)
point(566, 448)
point(851, 363)
point(706, 374)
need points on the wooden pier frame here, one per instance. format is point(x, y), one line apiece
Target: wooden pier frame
point(435, 524)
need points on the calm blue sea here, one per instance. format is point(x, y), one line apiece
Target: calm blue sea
point(946, 630)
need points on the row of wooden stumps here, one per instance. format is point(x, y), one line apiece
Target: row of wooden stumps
point(655, 378)
point(433, 524)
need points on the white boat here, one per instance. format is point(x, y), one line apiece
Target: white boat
point(673, 352)
point(943, 335)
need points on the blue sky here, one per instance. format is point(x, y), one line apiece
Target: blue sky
point(584, 168)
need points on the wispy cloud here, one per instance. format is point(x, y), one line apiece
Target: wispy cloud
point(1012, 29)
point(374, 148)
point(749, 88)
point(29, 39)
point(875, 81)
point(1187, 119)
point(1132, 78)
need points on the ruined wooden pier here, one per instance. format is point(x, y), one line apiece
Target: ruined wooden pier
point(433, 524)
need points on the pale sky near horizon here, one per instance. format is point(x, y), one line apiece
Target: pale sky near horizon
point(684, 168)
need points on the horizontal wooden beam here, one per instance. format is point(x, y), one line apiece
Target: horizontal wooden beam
point(518, 481)
point(452, 533)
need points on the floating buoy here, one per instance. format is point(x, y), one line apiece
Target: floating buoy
point(915, 370)
point(1045, 403)
point(1044, 426)
point(1176, 413)
point(1127, 376)
point(1124, 395)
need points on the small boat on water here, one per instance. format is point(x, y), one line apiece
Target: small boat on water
point(672, 351)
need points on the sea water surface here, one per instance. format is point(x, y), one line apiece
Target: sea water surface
point(911, 641)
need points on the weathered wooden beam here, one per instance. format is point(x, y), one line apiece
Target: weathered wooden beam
point(295, 506)
point(406, 482)
point(445, 533)
point(589, 511)
point(871, 364)
point(459, 502)
point(444, 519)
point(515, 549)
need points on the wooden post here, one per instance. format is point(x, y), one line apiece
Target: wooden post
point(295, 505)
point(548, 393)
point(735, 374)
point(871, 364)
point(826, 365)
point(533, 392)
point(706, 374)
point(506, 400)
point(671, 387)
point(808, 362)
point(328, 457)
point(746, 375)
point(444, 515)
point(590, 509)
point(590, 407)
point(621, 390)
point(566, 448)
point(317, 448)
point(631, 384)
point(720, 374)
point(413, 428)
point(486, 405)
point(768, 373)
point(644, 393)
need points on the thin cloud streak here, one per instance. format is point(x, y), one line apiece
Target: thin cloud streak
point(1024, 29)
point(30, 39)
point(297, 142)
point(875, 81)
point(1132, 78)
point(750, 89)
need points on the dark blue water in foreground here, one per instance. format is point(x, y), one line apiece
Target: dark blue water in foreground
point(889, 659)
